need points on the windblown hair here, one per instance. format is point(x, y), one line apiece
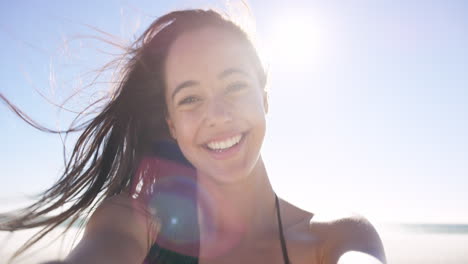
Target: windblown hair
point(107, 153)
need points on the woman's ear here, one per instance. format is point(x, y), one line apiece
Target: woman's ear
point(171, 127)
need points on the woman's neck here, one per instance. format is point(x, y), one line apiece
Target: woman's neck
point(238, 212)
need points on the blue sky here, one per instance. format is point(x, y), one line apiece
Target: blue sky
point(368, 99)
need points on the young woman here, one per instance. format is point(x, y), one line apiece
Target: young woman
point(193, 79)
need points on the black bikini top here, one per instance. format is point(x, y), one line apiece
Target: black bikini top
point(284, 249)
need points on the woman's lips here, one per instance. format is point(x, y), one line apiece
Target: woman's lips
point(222, 149)
point(221, 145)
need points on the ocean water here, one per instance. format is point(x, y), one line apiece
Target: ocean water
point(425, 243)
point(430, 228)
point(404, 244)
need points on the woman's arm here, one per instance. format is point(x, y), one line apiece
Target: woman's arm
point(352, 234)
point(120, 232)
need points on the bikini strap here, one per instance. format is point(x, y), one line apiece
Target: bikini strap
point(284, 249)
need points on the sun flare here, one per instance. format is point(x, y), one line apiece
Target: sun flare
point(292, 40)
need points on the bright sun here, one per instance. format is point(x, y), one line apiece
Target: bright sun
point(293, 40)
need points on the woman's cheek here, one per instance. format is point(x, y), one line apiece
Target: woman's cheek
point(186, 125)
point(253, 106)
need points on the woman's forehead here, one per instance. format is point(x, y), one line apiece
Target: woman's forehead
point(202, 39)
point(205, 52)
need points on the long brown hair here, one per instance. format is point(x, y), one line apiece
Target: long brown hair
point(111, 145)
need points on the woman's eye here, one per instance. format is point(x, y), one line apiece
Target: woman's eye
point(188, 100)
point(236, 86)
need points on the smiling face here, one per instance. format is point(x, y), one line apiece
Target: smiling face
point(216, 107)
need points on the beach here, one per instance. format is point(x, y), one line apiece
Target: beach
point(403, 245)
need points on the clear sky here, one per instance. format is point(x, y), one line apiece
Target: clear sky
point(368, 99)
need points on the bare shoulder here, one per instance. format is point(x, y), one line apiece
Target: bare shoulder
point(118, 231)
point(346, 234)
point(125, 216)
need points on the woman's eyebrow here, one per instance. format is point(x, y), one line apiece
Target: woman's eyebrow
point(183, 85)
point(230, 71)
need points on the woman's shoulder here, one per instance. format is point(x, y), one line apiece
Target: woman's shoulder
point(118, 231)
point(123, 214)
point(324, 238)
point(346, 233)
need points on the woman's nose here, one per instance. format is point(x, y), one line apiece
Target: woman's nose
point(218, 112)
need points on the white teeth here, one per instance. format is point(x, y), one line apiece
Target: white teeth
point(220, 145)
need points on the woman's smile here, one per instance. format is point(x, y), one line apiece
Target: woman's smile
point(225, 148)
